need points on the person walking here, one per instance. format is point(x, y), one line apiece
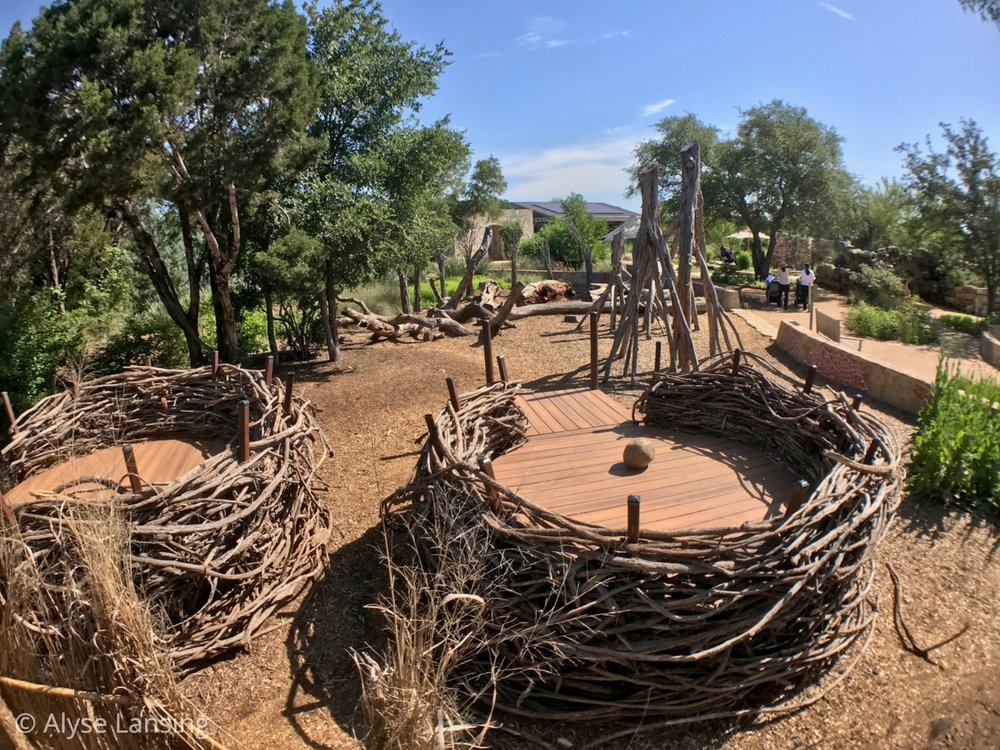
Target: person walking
point(806, 280)
point(783, 286)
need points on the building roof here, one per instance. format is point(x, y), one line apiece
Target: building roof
point(628, 230)
point(553, 209)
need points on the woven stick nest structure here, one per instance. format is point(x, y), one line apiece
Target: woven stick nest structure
point(680, 626)
point(213, 552)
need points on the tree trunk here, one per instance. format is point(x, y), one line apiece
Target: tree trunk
point(548, 259)
point(225, 316)
point(404, 292)
point(272, 341)
point(162, 283)
point(328, 313)
point(513, 265)
point(416, 287)
point(588, 268)
point(758, 256)
point(444, 290)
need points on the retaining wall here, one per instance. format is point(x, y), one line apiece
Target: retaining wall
point(836, 362)
point(989, 346)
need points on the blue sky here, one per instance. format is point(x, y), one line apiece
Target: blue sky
point(562, 91)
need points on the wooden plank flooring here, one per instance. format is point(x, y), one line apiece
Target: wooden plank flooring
point(572, 463)
point(157, 461)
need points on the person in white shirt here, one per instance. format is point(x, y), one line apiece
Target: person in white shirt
point(806, 279)
point(783, 286)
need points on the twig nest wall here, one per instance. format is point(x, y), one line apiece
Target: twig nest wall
point(583, 625)
point(215, 551)
point(639, 453)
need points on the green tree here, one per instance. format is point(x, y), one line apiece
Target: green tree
point(479, 199)
point(959, 189)
point(187, 106)
point(511, 232)
point(369, 79)
point(782, 172)
point(988, 10)
point(588, 232)
point(882, 216)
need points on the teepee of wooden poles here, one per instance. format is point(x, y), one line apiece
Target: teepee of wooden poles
point(669, 293)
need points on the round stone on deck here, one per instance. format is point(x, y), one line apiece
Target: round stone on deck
point(639, 453)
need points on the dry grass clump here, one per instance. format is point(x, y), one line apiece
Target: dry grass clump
point(79, 647)
point(435, 624)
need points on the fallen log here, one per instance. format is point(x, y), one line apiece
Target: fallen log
point(404, 324)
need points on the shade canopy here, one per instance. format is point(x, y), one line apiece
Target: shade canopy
point(743, 234)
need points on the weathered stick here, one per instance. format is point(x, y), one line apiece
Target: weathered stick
point(11, 417)
point(452, 393)
point(244, 431)
point(269, 370)
point(502, 368)
point(289, 384)
point(593, 350)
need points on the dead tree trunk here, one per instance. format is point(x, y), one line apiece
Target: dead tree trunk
point(466, 283)
point(404, 292)
point(272, 341)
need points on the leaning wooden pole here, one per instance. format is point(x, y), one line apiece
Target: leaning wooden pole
point(690, 187)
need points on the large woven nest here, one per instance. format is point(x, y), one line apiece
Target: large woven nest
point(215, 551)
point(705, 623)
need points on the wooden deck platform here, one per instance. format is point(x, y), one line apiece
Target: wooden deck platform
point(158, 462)
point(572, 463)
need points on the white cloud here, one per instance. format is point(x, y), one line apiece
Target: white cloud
point(546, 32)
point(542, 32)
point(652, 109)
point(838, 11)
point(596, 170)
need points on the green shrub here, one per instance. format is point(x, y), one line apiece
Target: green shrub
point(910, 323)
point(730, 275)
point(743, 260)
point(956, 451)
point(151, 334)
point(251, 332)
point(876, 286)
point(964, 324)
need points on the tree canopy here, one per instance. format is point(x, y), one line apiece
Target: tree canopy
point(782, 171)
point(959, 189)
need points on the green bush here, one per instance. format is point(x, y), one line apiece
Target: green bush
point(910, 323)
point(876, 286)
point(743, 260)
point(730, 275)
point(151, 334)
point(964, 324)
point(956, 451)
point(251, 332)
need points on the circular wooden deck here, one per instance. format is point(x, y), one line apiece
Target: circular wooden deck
point(572, 464)
point(157, 461)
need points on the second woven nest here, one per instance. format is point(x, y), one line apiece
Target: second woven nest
point(579, 624)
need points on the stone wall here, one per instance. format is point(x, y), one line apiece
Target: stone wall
point(479, 224)
point(968, 299)
point(989, 346)
point(850, 368)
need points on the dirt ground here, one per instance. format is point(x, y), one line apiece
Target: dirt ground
point(297, 686)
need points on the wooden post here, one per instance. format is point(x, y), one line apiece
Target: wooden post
point(737, 355)
point(856, 403)
point(799, 494)
point(659, 356)
point(269, 370)
point(810, 376)
point(131, 468)
point(10, 414)
point(502, 368)
point(452, 393)
point(433, 434)
point(486, 466)
point(870, 453)
point(633, 519)
point(215, 365)
point(593, 350)
point(812, 305)
point(487, 337)
point(289, 382)
point(244, 431)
